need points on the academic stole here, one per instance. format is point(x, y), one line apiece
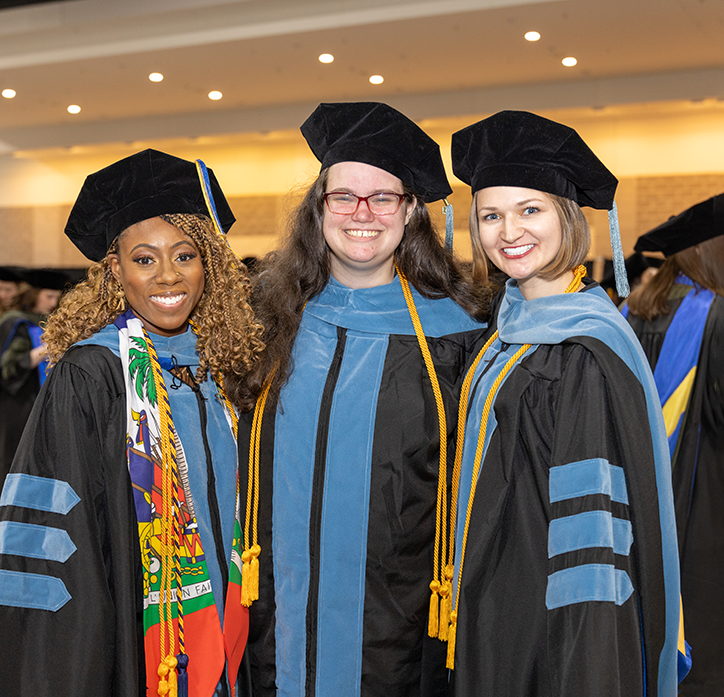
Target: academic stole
point(676, 366)
point(180, 631)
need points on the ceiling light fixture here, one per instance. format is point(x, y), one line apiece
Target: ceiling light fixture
point(74, 109)
point(532, 36)
point(326, 58)
point(215, 95)
point(9, 94)
point(569, 62)
point(155, 77)
point(376, 79)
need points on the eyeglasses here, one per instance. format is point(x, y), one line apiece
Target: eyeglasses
point(383, 203)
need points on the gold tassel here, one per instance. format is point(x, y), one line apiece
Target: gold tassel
point(172, 676)
point(255, 551)
point(451, 640)
point(168, 683)
point(445, 607)
point(446, 602)
point(433, 619)
point(245, 580)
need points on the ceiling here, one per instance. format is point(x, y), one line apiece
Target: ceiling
point(439, 58)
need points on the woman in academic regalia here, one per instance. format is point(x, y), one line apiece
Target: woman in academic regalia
point(679, 319)
point(566, 571)
point(22, 354)
point(352, 437)
point(123, 489)
point(10, 281)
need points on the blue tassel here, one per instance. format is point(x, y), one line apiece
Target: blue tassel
point(183, 676)
point(447, 209)
point(619, 265)
point(208, 195)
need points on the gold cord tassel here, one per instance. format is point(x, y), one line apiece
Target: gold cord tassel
point(432, 622)
point(168, 683)
point(451, 640)
point(445, 603)
point(255, 551)
point(245, 578)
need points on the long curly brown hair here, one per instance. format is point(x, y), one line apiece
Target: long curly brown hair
point(287, 278)
point(702, 263)
point(229, 339)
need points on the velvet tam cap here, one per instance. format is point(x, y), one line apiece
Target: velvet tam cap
point(12, 274)
point(46, 278)
point(145, 185)
point(517, 148)
point(696, 224)
point(378, 135)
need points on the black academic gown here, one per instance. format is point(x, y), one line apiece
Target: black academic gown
point(71, 577)
point(349, 472)
point(569, 585)
point(698, 479)
point(76, 436)
point(19, 383)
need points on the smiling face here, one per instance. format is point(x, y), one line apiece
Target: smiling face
point(520, 231)
point(363, 244)
point(162, 274)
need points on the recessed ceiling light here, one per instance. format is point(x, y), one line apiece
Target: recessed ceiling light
point(532, 36)
point(74, 109)
point(9, 94)
point(155, 77)
point(569, 62)
point(215, 95)
point(376, 79)
point(326, 58)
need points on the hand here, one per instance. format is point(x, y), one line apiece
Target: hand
point(37, 355)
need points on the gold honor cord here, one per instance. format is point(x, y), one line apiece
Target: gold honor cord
point(252, 550)
point(171, 532)
point(167, 684)
point(579, 273)
point(441, 585)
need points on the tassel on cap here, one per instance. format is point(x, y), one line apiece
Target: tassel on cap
point(619, 264)
point(447, 209)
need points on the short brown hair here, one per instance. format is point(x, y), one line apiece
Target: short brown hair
point(575, 240)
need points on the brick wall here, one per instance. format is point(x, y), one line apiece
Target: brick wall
point(34, 236)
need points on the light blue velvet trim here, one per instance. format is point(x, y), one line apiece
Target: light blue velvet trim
point(294, 457)
point(589, 529)
point(35, 541)
point(383, 310)
point(586, 477)
point(586, 583)
point(32, 591)
point(553, 319)
point(345, 517)
point(38, 493)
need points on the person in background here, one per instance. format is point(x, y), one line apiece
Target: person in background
point(566, 570)
point(23, 362)
point(10, 278)
point(640, 270)
point(119, 539)
point(679, 319)
point(367, 329)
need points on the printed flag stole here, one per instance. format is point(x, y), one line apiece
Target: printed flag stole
point(184, 644)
